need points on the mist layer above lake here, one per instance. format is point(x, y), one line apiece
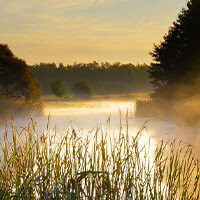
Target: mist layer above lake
point(108, 117)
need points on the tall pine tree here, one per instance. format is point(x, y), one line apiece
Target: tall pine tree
point(176, 62)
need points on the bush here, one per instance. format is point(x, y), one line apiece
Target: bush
point(82, 89)
point(58, 89)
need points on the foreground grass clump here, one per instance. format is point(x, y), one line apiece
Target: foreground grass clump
point(97, 167)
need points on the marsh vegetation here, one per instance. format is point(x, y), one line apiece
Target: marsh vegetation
point(92, 140)
point(97, 166)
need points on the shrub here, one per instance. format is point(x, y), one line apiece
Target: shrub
point(58, 89)
point(82, 89)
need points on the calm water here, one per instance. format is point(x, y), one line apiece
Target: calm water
point(107, 116)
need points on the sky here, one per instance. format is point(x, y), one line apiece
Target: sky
point(68, 31)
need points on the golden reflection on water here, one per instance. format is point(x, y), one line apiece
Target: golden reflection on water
point(85, 116)
point(107, 116)
point(110, 117)
point(80, 108)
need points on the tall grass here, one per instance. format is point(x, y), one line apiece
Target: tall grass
point(97, 167)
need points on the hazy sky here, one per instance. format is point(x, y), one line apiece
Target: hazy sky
point(85, 30)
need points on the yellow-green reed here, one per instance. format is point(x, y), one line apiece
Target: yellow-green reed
point(94, 167)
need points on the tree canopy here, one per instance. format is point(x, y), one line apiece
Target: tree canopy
point(105, 78)
point(15, 79)
point(57, 88)
point(177, 59)
point(82, 89)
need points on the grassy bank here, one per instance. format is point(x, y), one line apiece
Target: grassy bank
point(97, 167)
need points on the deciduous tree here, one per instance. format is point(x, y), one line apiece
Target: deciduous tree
point(15, 79)
point(82, 89)
point(57, 88)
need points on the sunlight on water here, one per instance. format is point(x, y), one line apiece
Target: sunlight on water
point(85, 108)
point(108, 117)
point(105, 117)
point(85, 116)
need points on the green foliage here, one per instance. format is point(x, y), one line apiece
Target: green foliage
point(177, 59)
point(104, 78)
point(15, 79)
point(57, 88)
point(82, 89)
point(95, 167)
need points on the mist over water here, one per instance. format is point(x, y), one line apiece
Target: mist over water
point(107, 117)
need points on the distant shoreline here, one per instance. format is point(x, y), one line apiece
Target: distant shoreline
point(109, 97)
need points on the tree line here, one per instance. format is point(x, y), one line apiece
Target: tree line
point(103, 78)
point(174, 72)
point(20, 81)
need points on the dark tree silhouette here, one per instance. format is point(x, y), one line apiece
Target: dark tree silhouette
point(82, 89)
point(57, 88)
point(15, 78)
point(104, 78)
point(177, 59)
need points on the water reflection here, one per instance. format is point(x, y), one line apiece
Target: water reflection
point(110, 116)
point(85, 116)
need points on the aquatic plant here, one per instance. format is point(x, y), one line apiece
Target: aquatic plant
point(95, 167)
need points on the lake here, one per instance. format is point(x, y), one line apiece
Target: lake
point(91, 120)
point(108, 117)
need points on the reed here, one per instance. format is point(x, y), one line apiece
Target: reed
point(94, 167)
